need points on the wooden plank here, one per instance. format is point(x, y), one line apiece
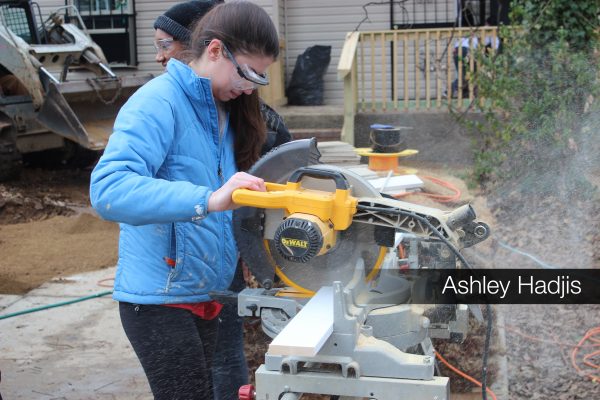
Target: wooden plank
point(427, 77)
point(438, 67)
point(307, 332)
point(363, 171)
point(397, 184)
point(274, 93)
point(416, 71)
point(395, 71)
point(372, 42)
point(348, 54)
point(362, 76)
point(383, 75)
point(354, 82)
point(449, 69)
point(405, 71)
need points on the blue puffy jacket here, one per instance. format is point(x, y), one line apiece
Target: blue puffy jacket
point(163, 161)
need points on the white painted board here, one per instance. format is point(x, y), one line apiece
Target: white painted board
point(395, 184)
point(306, 333)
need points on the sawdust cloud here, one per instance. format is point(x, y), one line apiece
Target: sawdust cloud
point(551, 211)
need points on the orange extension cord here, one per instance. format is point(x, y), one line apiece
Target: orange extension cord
point(592, 335)
point(462, 374)
point(102, 284)
point(590, 340)
point(441, 198)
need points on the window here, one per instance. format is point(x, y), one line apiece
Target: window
point(111, 23)
point(15, 17)
point(424, 14)
point(104, 7)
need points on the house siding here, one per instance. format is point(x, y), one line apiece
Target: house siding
point(302, 23)
point(318, 22)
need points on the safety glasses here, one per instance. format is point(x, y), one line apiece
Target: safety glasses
point(244, 71)
point(163, 45)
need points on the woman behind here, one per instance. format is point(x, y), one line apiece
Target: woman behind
point(172, 29)
point(167, 176)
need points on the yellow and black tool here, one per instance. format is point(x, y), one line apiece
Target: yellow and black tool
point(313, 218)
point(306, 227)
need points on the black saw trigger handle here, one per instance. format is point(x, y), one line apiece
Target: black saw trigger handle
point(336, 176)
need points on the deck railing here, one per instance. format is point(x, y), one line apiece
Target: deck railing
point(274, 93)
point(404, 70)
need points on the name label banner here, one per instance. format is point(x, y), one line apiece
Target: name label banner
point(504, 286)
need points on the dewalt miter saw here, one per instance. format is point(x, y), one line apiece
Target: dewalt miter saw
point(324, 230)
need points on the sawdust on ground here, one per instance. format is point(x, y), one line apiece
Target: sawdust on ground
point(48, 231)
point(34, 252)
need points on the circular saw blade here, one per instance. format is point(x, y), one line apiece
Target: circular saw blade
point(339, 263)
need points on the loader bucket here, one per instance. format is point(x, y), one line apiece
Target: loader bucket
point(57, 116)
point(84, 111)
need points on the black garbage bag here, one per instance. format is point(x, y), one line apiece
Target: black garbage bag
point(306, 86)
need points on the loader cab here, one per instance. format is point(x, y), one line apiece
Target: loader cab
point(18, 16)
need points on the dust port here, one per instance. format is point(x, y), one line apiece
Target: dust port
point(480, 231)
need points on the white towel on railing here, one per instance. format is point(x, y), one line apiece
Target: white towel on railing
point(464, 42)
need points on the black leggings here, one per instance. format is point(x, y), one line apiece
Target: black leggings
point(175, 348)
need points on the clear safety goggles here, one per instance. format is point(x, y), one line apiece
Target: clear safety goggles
point(163, 45)
point(250, 78)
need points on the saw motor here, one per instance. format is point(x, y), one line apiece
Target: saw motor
point(313, 218)
point(303, 236)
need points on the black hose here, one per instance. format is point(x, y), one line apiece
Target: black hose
point(486, 351)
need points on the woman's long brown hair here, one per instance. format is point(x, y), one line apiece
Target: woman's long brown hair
point(245, 28)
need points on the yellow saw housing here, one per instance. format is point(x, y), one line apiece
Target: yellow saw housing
point(337, 208)
point(312, 217)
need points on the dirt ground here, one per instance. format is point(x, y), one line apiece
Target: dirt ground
point(47, 230)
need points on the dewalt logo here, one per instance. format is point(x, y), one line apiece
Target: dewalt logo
point(303, 244)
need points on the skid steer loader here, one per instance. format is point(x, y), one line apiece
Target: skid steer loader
point(56, 88)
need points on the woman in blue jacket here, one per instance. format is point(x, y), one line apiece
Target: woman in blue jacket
point(167, 176)
point(171, 40)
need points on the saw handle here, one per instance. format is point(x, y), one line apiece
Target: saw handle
point(338, 207)
point(337, 177)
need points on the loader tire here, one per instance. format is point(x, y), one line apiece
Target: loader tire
point(78, 156)
point(10, 162)
point(71, 155)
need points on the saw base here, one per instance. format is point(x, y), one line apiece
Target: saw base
point(365, 355)
point(278, 385)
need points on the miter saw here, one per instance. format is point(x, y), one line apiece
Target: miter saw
point(329, 236)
